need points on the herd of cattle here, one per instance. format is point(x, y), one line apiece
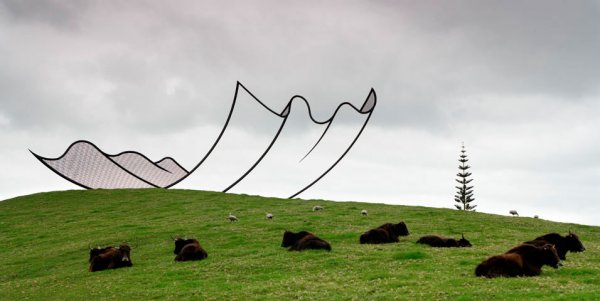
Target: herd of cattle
point(525, 259)
point(528, 258)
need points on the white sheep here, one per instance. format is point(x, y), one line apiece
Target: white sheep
point(514, 213)
point(317, 208)
point(364, 212)
point(269, 216)
point(232, 218)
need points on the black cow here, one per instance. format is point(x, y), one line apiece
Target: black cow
point(112, 258)
point(386, 233)
point(443, 242)
point(522, 260)
point(188, 249)
point(303, 241)
point(564, 244)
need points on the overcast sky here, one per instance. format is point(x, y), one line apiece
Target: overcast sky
point(517, 81)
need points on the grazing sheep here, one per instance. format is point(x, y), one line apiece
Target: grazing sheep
point(317, 208)
point(232, 218)
point(364, 212)
point(513, 213)
point(269, 216)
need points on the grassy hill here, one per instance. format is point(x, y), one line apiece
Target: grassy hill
point(44, 250)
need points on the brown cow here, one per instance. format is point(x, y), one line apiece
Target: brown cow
point(303, 241)
point(97, 251)
point(564, 244)
point(386, 233)
point(188, 249)
point(443, 242)
point(522, 260)
point(112, 258)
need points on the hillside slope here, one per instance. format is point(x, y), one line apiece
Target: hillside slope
point(44, 250)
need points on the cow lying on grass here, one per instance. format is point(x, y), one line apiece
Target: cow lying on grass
point(386, 233)
point(522, 260)
point(564, 244)
point(303, 241)
point(110, 258)
point(443, 242)
point(188, 249)
point(97, 251)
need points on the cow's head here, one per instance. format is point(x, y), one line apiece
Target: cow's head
point(573, 243)
point(549, 256)
point(125, 251)
point(463, 242)
point(400, 229)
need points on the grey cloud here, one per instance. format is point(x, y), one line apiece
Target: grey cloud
point(48, 12)
point(527, 47)
point(324, 53)
point(517, 81)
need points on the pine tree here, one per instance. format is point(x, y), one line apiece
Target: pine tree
point(464, 195)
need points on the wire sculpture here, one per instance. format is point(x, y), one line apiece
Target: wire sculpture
point(85, 165)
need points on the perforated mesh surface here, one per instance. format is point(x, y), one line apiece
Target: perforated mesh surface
point(87, 166)
point(83, 163)
point(148, 170)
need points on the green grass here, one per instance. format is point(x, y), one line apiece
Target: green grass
point(44, 250)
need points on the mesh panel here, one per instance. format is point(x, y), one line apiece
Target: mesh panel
point(170, 165)
point(147, 170)
point(84, 164)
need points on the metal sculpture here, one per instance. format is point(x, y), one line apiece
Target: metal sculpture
point(84, 164)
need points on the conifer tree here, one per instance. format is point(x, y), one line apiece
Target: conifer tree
point(464, 195)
